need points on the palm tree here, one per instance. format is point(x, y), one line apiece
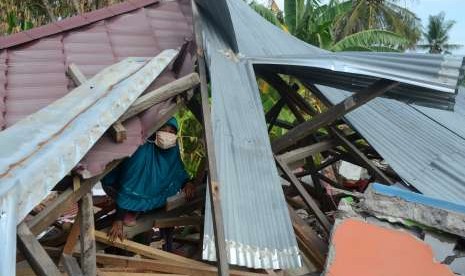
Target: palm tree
point(437, 35)
point(378, 14)
point(314, 23)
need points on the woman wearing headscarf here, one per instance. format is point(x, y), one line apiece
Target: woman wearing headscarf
point(144, 181)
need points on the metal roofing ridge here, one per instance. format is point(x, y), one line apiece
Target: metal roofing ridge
point(73, 22)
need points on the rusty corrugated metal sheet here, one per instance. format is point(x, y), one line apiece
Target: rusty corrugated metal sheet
point(61, 134)
point(33, 70)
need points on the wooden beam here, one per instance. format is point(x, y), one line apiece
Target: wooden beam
point(49, 214)
point(304, 194)
point(76, 75)
point(272, 115)
point(359, 155)
point(71, 265)
point(118, 132)
point(146, 251)
point(35, 254)
point(283, 124)
point(177, 221)
point(213, 182)
point(87, 239)
point(165, 266)
point(309, 242)
point(145, 221)
point(305, 129)
point(304, 152)
point(73, 237)
point(286, 91)
point(161, 94)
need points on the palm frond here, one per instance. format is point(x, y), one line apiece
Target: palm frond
point(372, 39)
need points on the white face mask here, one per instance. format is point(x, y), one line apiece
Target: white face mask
point(165, 140)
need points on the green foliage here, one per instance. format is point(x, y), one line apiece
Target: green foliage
point(437, 35)
point(265, 13)
point(372, 40)
point(20, 15)
point(378, 14)
point(190, 141)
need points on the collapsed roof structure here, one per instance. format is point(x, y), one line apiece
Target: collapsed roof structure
point(422, 144)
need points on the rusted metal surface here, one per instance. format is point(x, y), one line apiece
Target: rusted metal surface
point(33, 74)
point(41, 149)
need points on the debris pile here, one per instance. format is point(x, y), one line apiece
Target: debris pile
point(360, 183)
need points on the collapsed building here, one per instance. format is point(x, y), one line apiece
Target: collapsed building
point(81, 94)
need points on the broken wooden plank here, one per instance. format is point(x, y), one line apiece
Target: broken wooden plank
point(71, 265)
point(35, 254)
point(165, 266)
point(146, 251)
point(307, 198)
point(313, 247)
point(87, 239)
point(323, 119)
point(177, 221)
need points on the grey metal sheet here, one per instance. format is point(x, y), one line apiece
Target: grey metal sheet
point(428, 152)
point(258, 229)
point(429, 80)
point(38, 151)
point(257, 225)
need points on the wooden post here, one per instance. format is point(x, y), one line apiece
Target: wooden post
point(87, 237)
point(35, 254)
point(307, 198)
point(213, 183)
point(303, 130)
point(71, 265)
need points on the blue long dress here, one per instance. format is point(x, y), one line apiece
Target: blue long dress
point(146, 179)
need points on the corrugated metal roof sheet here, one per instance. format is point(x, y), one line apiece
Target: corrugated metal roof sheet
point(257, 225)
point(33, 70)
point(429, 80)
point(426, 147)
point(235, 39)
point(61, 135)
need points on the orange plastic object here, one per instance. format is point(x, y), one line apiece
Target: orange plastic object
point(363, 249)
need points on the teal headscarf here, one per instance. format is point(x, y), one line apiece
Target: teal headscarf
point(146, 179)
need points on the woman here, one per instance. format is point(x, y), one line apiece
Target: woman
point(144, 181)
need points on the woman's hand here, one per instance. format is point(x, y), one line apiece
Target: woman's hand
point(116, 231)
point(189, 191)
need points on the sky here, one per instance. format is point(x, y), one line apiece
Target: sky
point(454, 9)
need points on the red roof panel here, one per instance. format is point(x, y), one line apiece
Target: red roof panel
point(72, 22)
point(39, 31)
point(33, 71)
